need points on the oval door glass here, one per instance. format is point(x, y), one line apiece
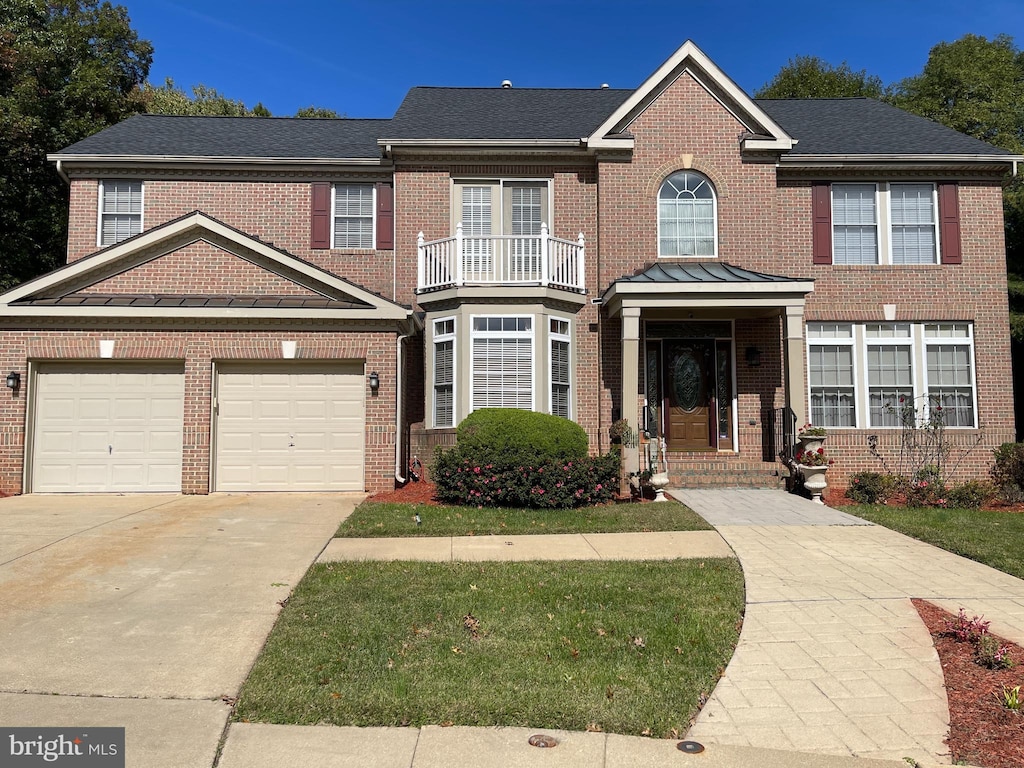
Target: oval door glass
point(688, 381)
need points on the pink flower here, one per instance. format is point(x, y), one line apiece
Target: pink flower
point(599, 487)
point(477, 470)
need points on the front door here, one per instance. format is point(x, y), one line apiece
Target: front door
point(688, 394)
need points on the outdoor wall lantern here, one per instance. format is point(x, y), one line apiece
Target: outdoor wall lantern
point(374, 382)
point(753, 357)
point(13, 380)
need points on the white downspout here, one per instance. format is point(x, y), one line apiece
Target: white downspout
point(398, 410)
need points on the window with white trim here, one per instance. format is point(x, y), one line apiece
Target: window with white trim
point(833, 401)
point(687, 216)
point(865, 374)
point(502, 362)
point(885, 223)
point(444, 372)
point(561, 367)
point(353, 215)
point(120, 211)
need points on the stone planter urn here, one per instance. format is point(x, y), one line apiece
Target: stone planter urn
point(810, 443)
point(658, 482)
point(814, 480)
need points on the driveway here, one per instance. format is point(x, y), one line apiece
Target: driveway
point(153, 606)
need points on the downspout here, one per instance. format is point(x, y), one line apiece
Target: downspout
point(400, 384)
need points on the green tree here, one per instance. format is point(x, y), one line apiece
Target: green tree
point(169, 99)
point(68, 68)
point(312, 111)
point(808, 77)
point(973, 85)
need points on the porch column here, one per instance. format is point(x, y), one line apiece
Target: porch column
point(796, 392)
point(631, 382)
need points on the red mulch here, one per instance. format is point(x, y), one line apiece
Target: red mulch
point(981, 730)
point(836, 497)
point(411, 493)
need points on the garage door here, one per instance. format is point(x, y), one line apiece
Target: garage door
point(289, 428)
point(102, 428)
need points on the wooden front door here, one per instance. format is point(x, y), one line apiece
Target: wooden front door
point(688, 394)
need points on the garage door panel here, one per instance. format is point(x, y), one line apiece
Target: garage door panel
point(108, 427)
point(297, 428)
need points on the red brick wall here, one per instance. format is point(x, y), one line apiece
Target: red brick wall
point(198, 348)
point(764, 224)
point(200, 268)
point(277, 212)
point(764, 217)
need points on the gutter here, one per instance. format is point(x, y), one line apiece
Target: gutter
point(398, 410)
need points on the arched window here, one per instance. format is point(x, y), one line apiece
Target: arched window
point(687, 216)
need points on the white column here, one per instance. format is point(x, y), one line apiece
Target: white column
point(631, 383)
point(796, 351)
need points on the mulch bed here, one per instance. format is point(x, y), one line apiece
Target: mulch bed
point(981, 730)
point(420, 492)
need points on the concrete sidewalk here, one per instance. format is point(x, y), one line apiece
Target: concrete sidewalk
point(666, 545)
point(833, 657)
point(272, 746)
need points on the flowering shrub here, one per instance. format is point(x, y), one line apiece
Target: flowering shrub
point(553, 485)
point(870, 487)
point(809, 430)
point(813, 458)
point(966, 630)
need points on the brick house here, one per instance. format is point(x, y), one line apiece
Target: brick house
point(275, 304)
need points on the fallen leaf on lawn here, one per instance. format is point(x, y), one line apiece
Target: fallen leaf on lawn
point(601, 632)
point(645, 732)
point(473, 587)
point(595, 728)
point(447, 724)
point(456, 649)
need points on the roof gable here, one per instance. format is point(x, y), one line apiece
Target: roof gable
point(133, 274)
point(764, 132)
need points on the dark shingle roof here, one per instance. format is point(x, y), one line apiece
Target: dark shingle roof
point(260, 137)
point(865, 126)
point(503, 113)
point(703, 272)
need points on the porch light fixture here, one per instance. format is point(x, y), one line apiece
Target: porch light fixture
point(753, 357)
point(13, 380)
point(374, 382)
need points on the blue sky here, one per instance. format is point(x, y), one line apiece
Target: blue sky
point(359, 57)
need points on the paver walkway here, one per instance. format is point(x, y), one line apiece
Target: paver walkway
point(833, 657)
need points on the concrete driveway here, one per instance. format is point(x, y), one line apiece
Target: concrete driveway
point(147, 610)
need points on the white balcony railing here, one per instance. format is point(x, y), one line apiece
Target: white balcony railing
point(500, 260)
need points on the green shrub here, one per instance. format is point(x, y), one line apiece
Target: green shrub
point(1008, 472)
point(870, 487)
point(509, 436)
point(969, 495)
point(552, 485)
point(511, 458)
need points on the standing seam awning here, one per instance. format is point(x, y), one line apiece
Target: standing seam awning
point(704, 284)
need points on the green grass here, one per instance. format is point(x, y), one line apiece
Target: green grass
point(374, 519)
point(992, 538)
point(628, 646)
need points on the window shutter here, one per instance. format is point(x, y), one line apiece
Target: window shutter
point(821, 203)
point(320, 216)
point(949, 222)
point(385, 216)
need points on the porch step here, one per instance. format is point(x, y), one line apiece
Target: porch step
point(716, 472)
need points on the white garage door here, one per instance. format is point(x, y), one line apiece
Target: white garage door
point(107, 427)
point(295, 427)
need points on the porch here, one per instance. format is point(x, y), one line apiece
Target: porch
point(534, 260)
point(713, 370)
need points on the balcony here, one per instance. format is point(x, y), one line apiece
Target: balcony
point(533, 260)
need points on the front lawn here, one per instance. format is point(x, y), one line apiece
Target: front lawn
point(375, 519)
point(625, 647)
point(992, 538)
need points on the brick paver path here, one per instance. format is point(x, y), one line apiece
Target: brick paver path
point(833, 657)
